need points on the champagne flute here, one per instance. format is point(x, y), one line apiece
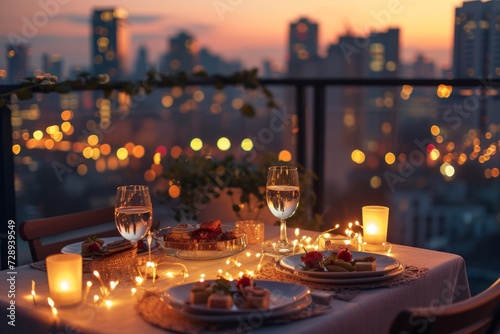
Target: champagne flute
point(133, 212)
point(282, 194)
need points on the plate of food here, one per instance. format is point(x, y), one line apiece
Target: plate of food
point(293, 308)
point(341, 265)
point(327, 280)
point(242, 296)
point(95, 246)
point(206, 241)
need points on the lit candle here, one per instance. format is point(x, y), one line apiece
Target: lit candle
point(33, 293)
point(375, 221)
point(64, 273)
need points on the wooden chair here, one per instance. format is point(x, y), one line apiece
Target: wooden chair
point(47, 236)
point(479, 314)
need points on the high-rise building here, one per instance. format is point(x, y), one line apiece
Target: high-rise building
point(141, 63)
point(182, 55)
point(17, 62)
point(476, 52)
point(110, 42)
point(53, 64)
point(476, 48)
point(303, 59)
point(382, 108)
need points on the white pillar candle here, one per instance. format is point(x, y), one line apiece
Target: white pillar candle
point(375, 222)
point(64, 273)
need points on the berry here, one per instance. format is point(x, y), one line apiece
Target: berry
point(94, 247)
point(311, 259)
point(344, 255)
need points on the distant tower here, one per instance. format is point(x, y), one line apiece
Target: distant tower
point(477, 40)
point(17, 62)
point(110, 42)
point(53, 64)
point(183, 53)
point(303, 41)
point(476, 51)
point(141, 63)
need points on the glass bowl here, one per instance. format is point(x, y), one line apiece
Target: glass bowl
point(178, 242)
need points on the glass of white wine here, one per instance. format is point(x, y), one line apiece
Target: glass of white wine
point(283, 195)
point(133, 211)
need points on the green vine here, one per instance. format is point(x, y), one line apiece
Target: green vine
point(152, 80)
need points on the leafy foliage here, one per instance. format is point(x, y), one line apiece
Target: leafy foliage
point(201, 178)
point(152, 80)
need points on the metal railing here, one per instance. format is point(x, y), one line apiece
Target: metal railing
point(301, 87)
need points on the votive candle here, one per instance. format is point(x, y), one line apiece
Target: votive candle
point(375, 222)
point(64, 273)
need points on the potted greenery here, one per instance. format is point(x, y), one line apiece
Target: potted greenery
point(194, 180)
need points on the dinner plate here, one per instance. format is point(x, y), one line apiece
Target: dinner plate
point(385, 264)
point(76, 248)
point(253, 316)
point(283, 294)
point(360, 280)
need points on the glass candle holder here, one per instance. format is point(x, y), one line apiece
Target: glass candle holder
point(375, 223)
point(254, 230)
point(64, 273)
point(336, 242)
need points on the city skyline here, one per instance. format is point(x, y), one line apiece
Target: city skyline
point(249, 32)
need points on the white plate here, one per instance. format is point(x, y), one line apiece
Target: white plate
point(385, 264)
point(306, 278)
point(283, 294)
point(297, 306)
point(76, 248)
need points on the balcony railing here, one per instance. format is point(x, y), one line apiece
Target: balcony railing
point(310, 101)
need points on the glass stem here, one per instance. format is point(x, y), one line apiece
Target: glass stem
point(283, 236)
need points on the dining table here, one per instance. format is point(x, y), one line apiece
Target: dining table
point(427, 278)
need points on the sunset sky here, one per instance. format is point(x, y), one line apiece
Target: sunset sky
point(247, 30)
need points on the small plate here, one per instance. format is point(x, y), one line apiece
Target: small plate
point(360, 280)
point(385, 264)
point(283, 295)
point(295, 307)
point(76, 248)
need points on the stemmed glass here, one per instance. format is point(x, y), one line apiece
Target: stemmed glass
point(282, 194)
point(133, 212)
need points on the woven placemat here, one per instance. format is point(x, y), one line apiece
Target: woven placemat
point(156, 311)
point(345, 292)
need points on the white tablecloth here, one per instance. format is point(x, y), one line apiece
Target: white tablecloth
point(371, 311)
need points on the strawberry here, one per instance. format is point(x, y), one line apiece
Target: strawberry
point(243, 282)
point(94, 247)
point(312, 259)
point(344, 255)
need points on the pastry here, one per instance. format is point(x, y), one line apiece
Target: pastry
point(365, 266)
point(200, 291)
point(220, 299)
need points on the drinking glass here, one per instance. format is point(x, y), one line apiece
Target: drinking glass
point(133, 211)
point(282, 194)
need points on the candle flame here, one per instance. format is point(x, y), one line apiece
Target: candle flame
point(297, 232)
point(371, 229)
point(50, 301)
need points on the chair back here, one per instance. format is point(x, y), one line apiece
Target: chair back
point(478, 314)
point(47, 236)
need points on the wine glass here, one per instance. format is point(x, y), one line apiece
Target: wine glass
point(282, 194)
point(133, 212)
